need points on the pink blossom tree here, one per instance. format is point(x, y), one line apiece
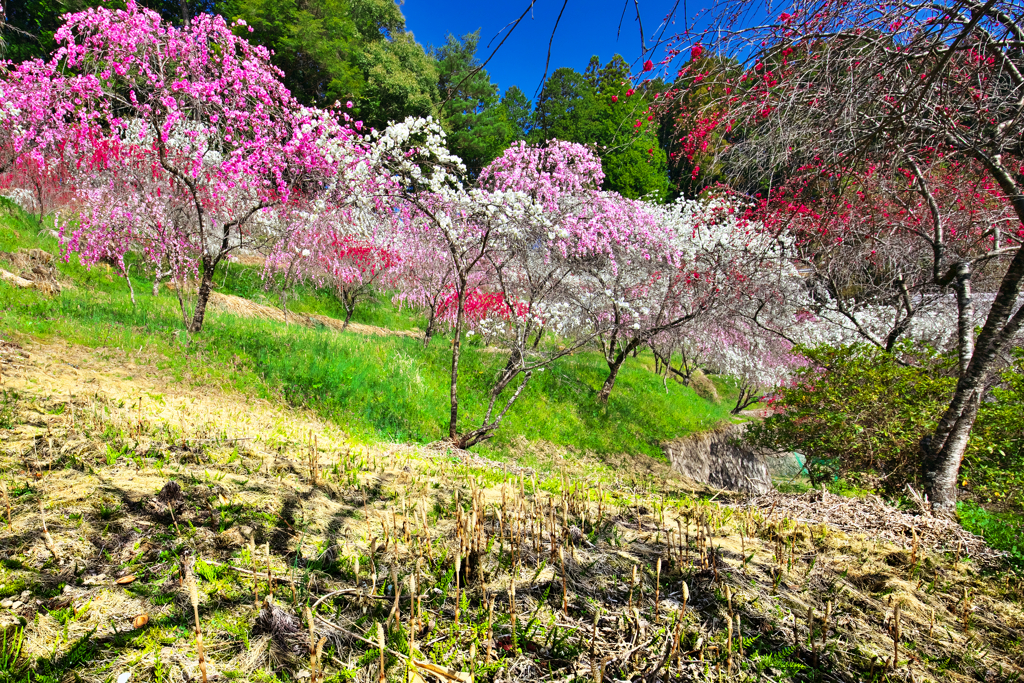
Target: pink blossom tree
point(668, 266)
point(344, 250)
point(184, 137)
point(425, 282)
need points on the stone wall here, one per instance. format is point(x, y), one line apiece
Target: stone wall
point(719, 458)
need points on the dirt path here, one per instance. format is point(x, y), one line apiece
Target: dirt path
point(250, 309)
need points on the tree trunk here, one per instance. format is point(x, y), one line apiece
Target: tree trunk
point(609, 382)
point(453, 422)
point(131, 290)
point(941, 466)
point(613, 368)
point(536, 341)
point(350, 307)
point(157, 278)
point(488, 427)
point(746, 398)
point(205, 286)
point(943, 451)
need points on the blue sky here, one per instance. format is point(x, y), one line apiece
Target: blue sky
point(588, 27)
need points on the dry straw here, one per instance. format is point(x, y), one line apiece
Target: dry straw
point(193, 594)
point(7, 500)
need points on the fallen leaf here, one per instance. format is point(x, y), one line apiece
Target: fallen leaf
point(123, 678)
point(125, 579)
point(140, 621)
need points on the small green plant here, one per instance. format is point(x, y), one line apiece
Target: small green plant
point(8, 408)
point(762, 658)
point(108, 511)
point(10, 652)
point(208, 572)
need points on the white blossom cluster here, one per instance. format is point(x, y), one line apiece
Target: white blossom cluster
point(416, 149)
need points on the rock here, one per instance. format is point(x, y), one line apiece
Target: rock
point(6, 604)
point(720, 458)
point(17, 604)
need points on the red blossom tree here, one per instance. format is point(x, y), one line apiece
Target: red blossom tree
point(890, 140)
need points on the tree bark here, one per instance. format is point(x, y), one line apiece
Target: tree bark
point(350, 307)
point(205, 287)
point(943, 451)
point(131, 290)
point(488, 427)
point(614, 365)
point(745, 399)
point(536, 341)
point(941, 466)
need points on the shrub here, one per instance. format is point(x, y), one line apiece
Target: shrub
point(857, 410)
point(1002, 530)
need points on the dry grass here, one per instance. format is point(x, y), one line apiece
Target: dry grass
point(32, 268)
point(98, 435)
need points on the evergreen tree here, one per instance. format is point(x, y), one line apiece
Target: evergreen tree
point(518, 111)
point(477, 127)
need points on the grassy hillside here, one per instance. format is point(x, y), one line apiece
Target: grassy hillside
point(381, 388)
point(168, 506)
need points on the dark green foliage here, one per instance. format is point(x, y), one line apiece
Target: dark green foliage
point(564, 108)
point(518, 111)
point(994, 464)
point(477, 128)
point(856, 411)
point(315, 43)
point(340, 50)
point(579, 108)
point(695, 150)
point(401, 81)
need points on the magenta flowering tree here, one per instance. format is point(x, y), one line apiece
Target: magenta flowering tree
point(34, 166)
point(184, 138)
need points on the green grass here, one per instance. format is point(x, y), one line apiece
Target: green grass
point(391, 388)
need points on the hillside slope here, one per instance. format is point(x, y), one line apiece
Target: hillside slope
point(104, 554)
